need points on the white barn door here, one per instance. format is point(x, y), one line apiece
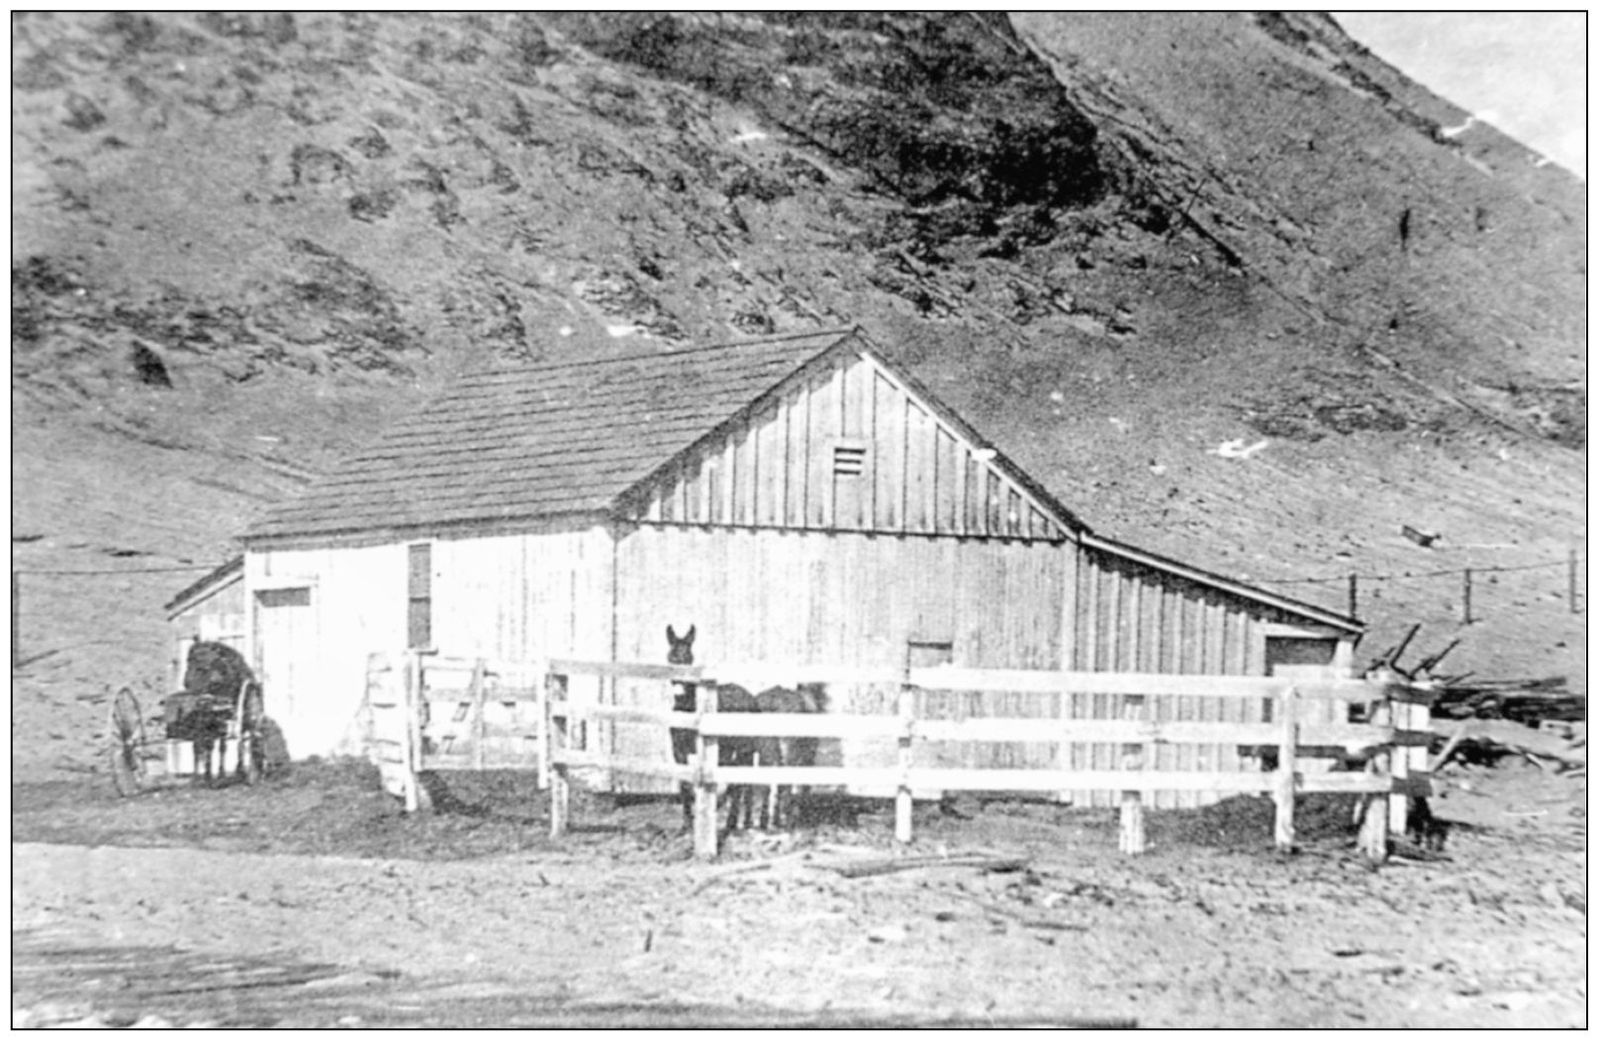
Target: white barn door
point(285, 646)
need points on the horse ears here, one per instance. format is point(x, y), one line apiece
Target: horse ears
point(672, 640)
point(690, 635)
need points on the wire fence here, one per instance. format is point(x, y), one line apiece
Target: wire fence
point(1574, 563)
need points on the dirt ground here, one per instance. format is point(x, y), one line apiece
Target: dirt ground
point(311, 901)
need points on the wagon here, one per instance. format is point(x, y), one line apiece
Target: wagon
point(202, 737)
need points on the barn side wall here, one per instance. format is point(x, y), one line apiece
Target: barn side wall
point(516, 598)
point(818, 598)
point(311, 652)
point(1127, 616)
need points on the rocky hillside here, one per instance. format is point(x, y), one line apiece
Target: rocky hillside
point(1120, 244)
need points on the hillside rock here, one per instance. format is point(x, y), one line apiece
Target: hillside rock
point(1112, 241)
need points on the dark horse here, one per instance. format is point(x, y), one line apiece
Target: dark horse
point(732, 751)
point(216, 677)
point(796, 751)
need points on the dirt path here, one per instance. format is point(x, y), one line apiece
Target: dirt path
point(586, 933)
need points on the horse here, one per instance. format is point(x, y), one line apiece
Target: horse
point(216, 677)
point(732, 751)
point(799, 751)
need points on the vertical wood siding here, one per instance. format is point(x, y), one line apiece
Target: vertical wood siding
point(848, 448)
point(837, 598)
point(1124, 615)
point(514, 598)
point(220, 616)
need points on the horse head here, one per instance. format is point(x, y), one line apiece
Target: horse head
point(214, 668)
point(680, 649)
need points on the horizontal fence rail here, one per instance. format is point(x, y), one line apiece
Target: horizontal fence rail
point(1393, 741)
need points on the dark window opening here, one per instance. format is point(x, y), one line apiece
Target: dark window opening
point(418, 592)
point(284, 597)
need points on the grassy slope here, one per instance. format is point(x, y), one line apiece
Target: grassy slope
point(314, 222)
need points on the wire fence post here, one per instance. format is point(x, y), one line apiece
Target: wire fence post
point(1575, 591)
point(16, 615)
point(1352, 595)
point(1468, 588)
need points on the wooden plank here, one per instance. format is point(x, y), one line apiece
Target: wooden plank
point(904, 765)
point(1202, 685)
point(885, 779)
point(1286, 776)
point(834, 726)
point(1363, 782)
point(556, 748)
point(478, 735)
point(637, 671)
point(869, 431)
point(625, 714)
point(1132, 824)
point(704, 818)
point(1358, 737)
point(731, 487)
point(1026, 780)
point(1107, 781)
point(670, 770)
point(770, 452)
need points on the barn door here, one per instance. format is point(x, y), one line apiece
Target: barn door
point(284, 643)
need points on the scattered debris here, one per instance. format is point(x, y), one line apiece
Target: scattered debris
point(1238, 449)
point(1424, 539)
point(879, 867)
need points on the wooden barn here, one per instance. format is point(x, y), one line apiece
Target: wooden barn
point(799, 499)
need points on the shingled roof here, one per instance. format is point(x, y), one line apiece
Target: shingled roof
point(538, 441)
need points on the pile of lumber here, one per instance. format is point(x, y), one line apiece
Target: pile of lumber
point(1536, 718)
point(1530, 701)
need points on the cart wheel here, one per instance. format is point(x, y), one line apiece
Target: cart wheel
point(250, 760)
point(126, 735)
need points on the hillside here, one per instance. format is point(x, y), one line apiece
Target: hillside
point(240, 243)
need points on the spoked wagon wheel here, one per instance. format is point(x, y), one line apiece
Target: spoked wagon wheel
point(251, 715)
point(126, 736)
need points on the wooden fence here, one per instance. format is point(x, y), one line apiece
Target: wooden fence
point(1393, 742)
point(427, 712)
point(434, 713)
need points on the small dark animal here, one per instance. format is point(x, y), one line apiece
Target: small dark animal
point(732, 751)
point(799, 751)
point(1424, 829)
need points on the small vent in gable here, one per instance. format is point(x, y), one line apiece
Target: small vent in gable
point(849, 457)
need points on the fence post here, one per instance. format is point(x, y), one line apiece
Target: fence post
point(1352, 595)
point(1132, 824)
point(904, 765)
point(542, 728)
point(1286, 777)
point(1468, 586)
point(16, 616)
point(1575, 591)
point(476, 687)
point(705, 819)
point(1372, 834)
point(414, 730)
point(1397, 802)
point(556, 733)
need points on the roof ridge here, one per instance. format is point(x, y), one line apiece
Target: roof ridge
point(546, 368)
